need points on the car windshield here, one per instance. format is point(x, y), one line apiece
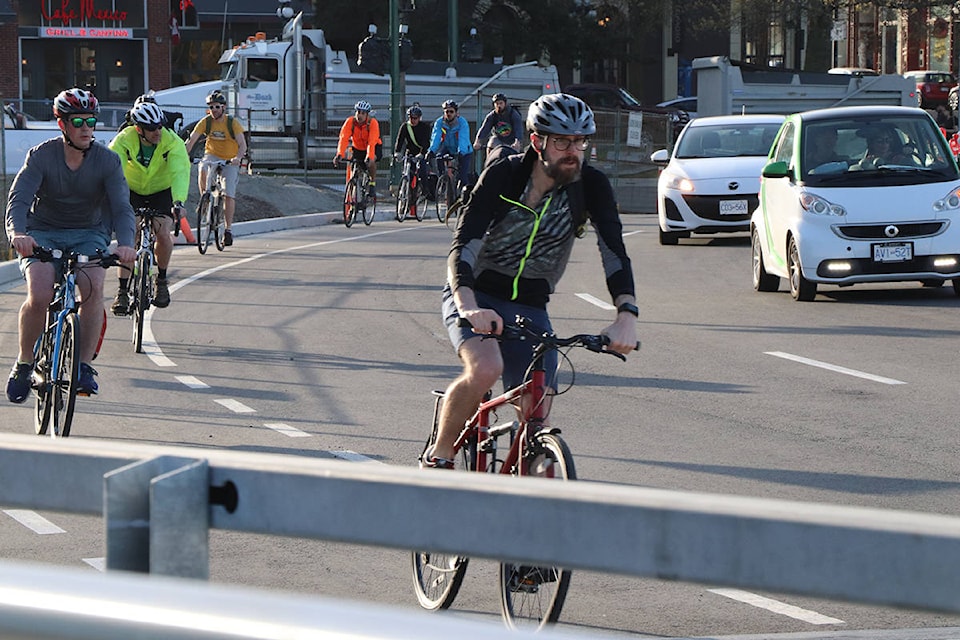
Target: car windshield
point(727, 140)
point(860, 151)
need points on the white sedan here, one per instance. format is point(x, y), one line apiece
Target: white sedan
point(710, 183)
point(857, 194)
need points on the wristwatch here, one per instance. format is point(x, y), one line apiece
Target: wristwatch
point(629, 307)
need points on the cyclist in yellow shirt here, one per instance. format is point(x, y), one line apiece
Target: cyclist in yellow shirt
point(225, 141)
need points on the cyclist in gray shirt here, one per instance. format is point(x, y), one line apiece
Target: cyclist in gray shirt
point(70, 194)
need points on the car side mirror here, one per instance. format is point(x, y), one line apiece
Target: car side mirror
point(776, 170)
point(660, 156)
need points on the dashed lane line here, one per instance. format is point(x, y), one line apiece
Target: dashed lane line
point(192, 382)
point(100, 564)
point(234, 405)
point(34, 521)
point(287, 430)
point(352, 456)
point(775, 606)
point(595, 301)
point(833, 367)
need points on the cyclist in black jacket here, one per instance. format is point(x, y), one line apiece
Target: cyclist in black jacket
point(512, 245)
point(414, 136)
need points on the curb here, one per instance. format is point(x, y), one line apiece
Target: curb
point(10, 269)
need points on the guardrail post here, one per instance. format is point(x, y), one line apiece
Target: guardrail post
point(156, 515)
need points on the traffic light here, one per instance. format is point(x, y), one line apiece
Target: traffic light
point(373, 55)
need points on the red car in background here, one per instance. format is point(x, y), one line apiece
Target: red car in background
point(933, 87)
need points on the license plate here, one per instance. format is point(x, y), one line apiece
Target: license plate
point(733, 207)
point(893, 252)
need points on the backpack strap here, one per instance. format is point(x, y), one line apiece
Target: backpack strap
point(209, 121)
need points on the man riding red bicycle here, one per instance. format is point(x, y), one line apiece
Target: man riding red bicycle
point(511, 247)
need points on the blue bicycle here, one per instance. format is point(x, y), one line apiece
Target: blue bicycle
point(56, 355)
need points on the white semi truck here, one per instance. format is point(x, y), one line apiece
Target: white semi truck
point(292, 92)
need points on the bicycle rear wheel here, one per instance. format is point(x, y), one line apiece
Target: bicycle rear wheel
point(532, 597)
point(204, 223)
point(140, 298)
point(369, 209)
point(350, 202)
point(219, 225)
point(66, 374)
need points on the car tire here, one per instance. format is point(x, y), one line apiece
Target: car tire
point(953, 100)
point(801, 289)
point(669, 237)
point(762, 281)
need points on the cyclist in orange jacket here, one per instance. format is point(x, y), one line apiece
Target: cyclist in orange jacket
point(361, 132)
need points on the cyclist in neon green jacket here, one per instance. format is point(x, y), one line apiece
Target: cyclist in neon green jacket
point(157, 168)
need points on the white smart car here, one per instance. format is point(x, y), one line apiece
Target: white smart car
point(857, 194)
point(710, 183)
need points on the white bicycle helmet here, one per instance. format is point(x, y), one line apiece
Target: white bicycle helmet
point(561, 114)
point(146, 113)
point(363, 105)
point(74, 101)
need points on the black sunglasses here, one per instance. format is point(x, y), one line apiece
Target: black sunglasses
point(79, 122)
point(449, 110)
point(150, 127)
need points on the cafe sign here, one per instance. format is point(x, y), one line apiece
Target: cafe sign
point(71, 12)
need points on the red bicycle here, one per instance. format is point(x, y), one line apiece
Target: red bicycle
point(530, 597)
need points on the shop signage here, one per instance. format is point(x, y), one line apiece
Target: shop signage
point(84, 32)
point(68, 11)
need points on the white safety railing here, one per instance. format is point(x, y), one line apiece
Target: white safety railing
point(160, 502)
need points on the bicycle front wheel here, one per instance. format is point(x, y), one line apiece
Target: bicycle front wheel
point(419, 200)
point(66, 374)
point(403, 200)
point(140, 299)
point(442, 201)
point(41, 374)
point(219, 225)
point(532, 597)
point(204, 223)
point(350, 202)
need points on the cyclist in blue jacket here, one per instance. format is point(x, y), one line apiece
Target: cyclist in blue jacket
point(451, 135)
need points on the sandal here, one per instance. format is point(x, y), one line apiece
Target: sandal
point(430, 461)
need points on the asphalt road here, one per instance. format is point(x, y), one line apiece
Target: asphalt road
point(327, 341)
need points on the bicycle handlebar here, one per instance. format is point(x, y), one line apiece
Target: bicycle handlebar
point(102, 258)
point(523, 329)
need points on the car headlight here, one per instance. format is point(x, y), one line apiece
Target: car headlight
point(680, 183)
point(949, 202)
point(816, 204)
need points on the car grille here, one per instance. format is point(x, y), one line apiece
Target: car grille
point(866, 266)
point(878, 231)
point(708, 207)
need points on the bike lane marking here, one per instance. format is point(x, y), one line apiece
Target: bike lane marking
point(234, 405)
point(595, 301)
point(286, 430)
point(33, 521)
point(776, 606)
point(192, 382)
point(833, 367)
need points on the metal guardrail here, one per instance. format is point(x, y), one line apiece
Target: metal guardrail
point(159, 503)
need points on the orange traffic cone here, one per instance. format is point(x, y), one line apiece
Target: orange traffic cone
point(187, 232)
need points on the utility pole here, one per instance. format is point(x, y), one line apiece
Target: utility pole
point(453, 31)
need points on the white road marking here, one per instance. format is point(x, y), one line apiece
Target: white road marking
point(34, 521)
point(352, 456)
point(192, 382)
point(233, 405)
point(100, 564)
point(776, 606)
point(630, 233)
point(286, 430)
point(149, 344)
point(606, 306)
point(833, 367)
